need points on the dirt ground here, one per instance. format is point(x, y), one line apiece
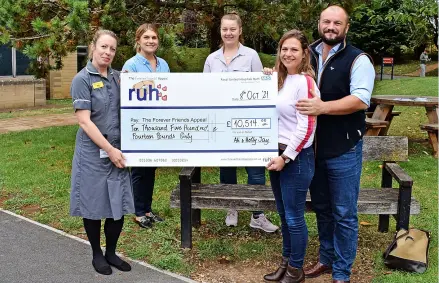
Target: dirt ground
point(48, 106)
point(428, 68)
point(253, 272)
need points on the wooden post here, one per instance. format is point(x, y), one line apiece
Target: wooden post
point(382, 67)
point(196, 213)
point(185, 211)
point(386, 182)
point(404, 201)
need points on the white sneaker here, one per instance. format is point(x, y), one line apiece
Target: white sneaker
point(263, 223)
point(232, 218)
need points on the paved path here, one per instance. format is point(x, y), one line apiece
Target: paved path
point(35, 122)
point(428, 68)
point(35, 253)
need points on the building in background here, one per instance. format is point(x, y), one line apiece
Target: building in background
point(17, 88)
point(12, 62)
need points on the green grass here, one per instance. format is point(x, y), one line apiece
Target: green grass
point(35, 182)
point(66, 102)
point(422, 167)
point(410, 86)
point(57, 106)
point(401, 69)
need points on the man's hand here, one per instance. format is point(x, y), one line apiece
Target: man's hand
point(311, 106)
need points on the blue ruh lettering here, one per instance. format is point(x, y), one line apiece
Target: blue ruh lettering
point(143, 94)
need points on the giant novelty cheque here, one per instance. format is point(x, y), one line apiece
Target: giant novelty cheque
point(198, 119)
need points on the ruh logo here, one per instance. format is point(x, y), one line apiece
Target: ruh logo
point(146, 90)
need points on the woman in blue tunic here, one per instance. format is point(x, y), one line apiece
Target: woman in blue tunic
point(101, 186)
point(147, 42)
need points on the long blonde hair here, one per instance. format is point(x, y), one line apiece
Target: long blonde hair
point(96, 36)
point(304, 67)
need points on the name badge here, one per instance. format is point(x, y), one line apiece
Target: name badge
point(98, 85)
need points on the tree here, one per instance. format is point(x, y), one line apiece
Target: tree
point(371, 32)
point(384, 26)
point(421, 17)
point(52, 28)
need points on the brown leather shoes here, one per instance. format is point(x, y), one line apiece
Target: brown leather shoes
point(293, 275)
point(339, 281)
point(316, 270)
point(279, 273)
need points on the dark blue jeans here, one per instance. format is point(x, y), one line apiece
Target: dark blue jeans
point(143, 187)
point(334, 195)
point(290, 186)
point(255, 176)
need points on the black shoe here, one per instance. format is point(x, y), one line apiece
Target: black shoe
point(154, 217)
point(144, 222)
point(117, 262)
point(102, 267)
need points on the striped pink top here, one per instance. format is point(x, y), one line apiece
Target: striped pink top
point(295, 130)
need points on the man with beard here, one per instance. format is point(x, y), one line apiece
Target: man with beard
point(345, 77)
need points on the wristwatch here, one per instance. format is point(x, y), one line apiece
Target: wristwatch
point(285, 158)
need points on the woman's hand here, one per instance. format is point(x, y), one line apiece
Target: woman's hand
point(268, 71)
point(116, 157)
point(276, 164)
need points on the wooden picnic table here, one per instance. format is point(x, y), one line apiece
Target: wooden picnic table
point(385, 104)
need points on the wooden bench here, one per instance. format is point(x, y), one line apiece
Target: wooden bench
point(191, 195)
point(382, 131)
point(432, 130)
point(393, 114)
point(374, 126)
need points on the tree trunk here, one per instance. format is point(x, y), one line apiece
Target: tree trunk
point(436, 35)
point(215, 35)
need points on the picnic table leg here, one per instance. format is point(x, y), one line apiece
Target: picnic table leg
point(185, 212)
point(386, 182)
point(389, 118)
point(373, 132)
point(432, 115)
point(382, 112)
point(432, 137)
point(404, 201)
point(196, 213)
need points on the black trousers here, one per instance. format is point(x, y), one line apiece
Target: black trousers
point(143, 179)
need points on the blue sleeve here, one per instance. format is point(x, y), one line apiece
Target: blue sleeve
point(166, 69)
point(129, 66)
point(362, 79)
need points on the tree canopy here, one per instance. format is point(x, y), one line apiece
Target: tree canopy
point(52, 28)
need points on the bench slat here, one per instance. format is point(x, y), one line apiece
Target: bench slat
point(429, 127)
point(385, 148)
point(248, 197)
point(370, 122)
point(394, 113)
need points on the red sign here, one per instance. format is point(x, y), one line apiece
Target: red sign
point(387, 60)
